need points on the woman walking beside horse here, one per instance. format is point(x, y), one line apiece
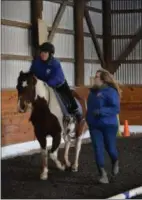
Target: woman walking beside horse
point(103, 107)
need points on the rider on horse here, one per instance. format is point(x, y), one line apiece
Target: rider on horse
point(48, 69)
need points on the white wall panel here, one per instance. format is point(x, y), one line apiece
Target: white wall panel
point(68, 69)
point(15, 40)
point(126, 24)
point(16, 10)
point(136, 4)
point(90, 70)
point(96, 19)
point(50, 10)
point(136, 53)
point(129, 74)
point(89, 49)
point(67, 19)
point(118, 46)
point(64, 45)
point(10, 71)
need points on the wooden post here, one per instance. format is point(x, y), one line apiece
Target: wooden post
point(79, 42)
point(36, 13)
point(107, 41)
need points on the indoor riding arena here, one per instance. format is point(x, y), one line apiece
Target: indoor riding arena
point(88, 36)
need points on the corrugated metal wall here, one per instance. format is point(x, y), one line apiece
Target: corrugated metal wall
point(64, 43)
point(127, 24)
point(15, 41)
point(89, 50)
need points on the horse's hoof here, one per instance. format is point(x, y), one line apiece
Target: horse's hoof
point(62, 168)
point(74, 169)
point(68, 164)
point(43, 176)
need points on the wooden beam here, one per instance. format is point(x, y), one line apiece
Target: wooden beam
point(72, 32)
point(138, 61)
point(30, 58)
point(107, 40)
point(57, 20)
point(79, 42)
point(15, 57)
point(122, 36)
point(71, 3)
point(127, 11)
point(93, 9)
point(94, 38)
point(15, 23)
point(128, 48)
point(36, 13)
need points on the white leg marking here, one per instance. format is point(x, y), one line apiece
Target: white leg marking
point(66, 153)
point(44, 173)
point(77, 153)
point(54, 157)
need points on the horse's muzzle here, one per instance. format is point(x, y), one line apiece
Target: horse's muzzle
point(21, 108)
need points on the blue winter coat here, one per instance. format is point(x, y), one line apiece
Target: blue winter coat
point(103, 105)
point(49, 72)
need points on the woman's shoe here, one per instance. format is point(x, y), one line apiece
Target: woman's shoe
point(103, 176)
point(115, 168)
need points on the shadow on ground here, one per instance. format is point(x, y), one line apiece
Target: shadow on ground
point(20, 176)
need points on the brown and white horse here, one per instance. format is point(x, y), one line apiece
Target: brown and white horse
point(48, 120)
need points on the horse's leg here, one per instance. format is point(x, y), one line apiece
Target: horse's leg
point(77, 153)
point(66, 153)
point(54, 151)
point(44, 154)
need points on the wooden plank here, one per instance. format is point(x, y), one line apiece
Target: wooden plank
point(71, 32)
point(94, 38)
point(93, 9)
point(15, 57)
point(129, 47)
point(107, 40)
point(138, 61)
point(79, 42)
point(42, 31)
point(30, 58)
point(57, 20)
point(122, 36)
point(17, 129)
point(127, 11)
point(86, 34)
point(69, 3)
point(16, 23)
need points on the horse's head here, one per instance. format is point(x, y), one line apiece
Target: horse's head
point(26, 90)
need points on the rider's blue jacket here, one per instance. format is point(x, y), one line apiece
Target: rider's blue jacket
point(50, 72)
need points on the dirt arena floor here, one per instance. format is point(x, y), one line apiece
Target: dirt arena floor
point(20, 176)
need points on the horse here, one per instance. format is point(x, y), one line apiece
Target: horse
point(48, 119)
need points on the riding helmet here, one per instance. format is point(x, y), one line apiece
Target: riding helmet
point(47, 47)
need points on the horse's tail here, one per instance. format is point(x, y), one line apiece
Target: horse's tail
point(56, 142)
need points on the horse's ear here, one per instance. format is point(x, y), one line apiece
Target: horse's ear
point(21, 72)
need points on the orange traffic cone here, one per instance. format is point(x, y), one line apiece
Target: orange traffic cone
point(126, 132)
